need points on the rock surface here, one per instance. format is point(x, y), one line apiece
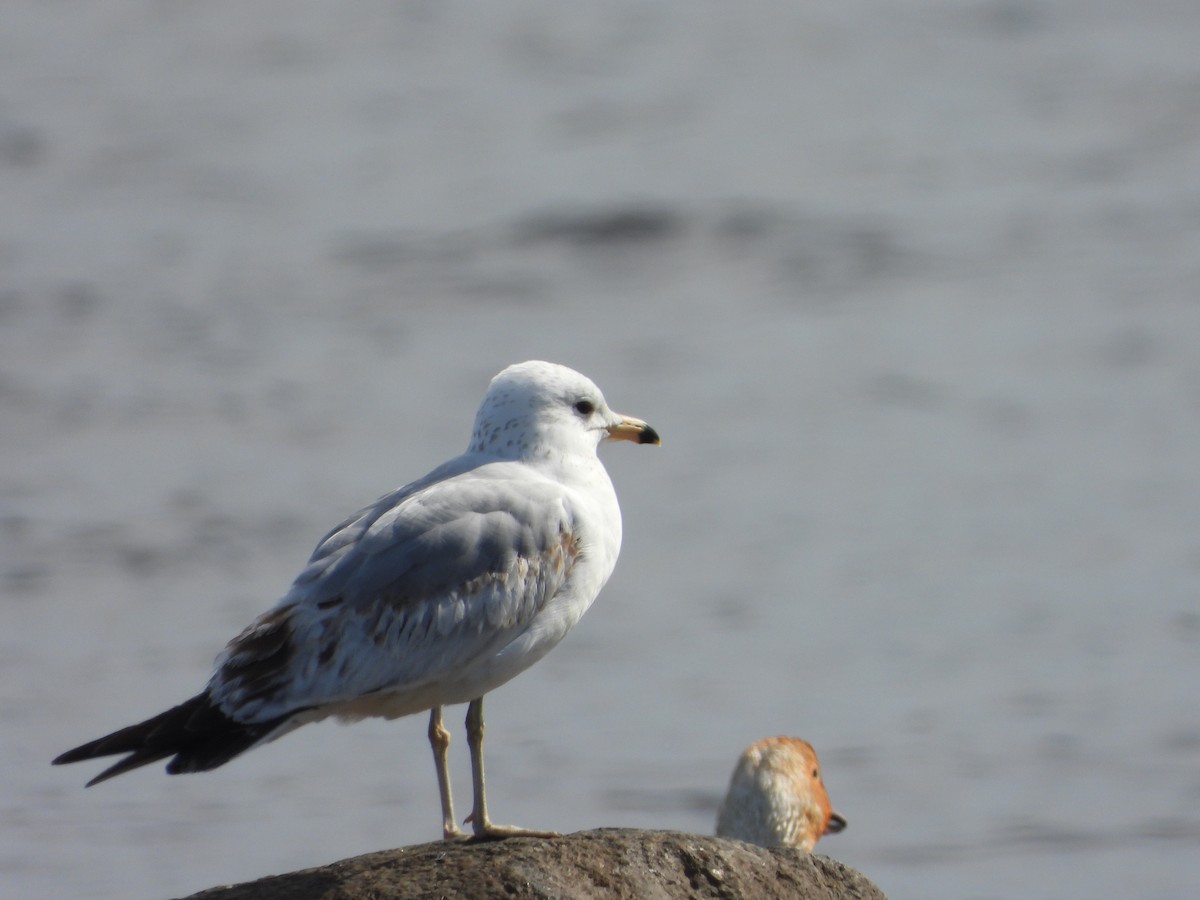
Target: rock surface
point(606, 863)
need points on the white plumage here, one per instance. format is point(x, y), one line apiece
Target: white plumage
point(435, 594)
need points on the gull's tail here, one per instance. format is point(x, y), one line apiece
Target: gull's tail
point(196, 733)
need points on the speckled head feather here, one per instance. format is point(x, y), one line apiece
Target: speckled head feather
point(537, 409)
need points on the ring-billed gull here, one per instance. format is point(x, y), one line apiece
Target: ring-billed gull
point(776, 797)
point(435, 594)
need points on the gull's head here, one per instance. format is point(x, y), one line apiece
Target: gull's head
point(540, 409)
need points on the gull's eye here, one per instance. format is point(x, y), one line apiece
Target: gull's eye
point(585, 407)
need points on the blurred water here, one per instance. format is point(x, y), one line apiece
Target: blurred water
point(910, 292)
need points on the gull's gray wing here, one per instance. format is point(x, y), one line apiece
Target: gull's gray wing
point(411, 589)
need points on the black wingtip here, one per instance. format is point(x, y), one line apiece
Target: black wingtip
point(196, 733)
point(132, 761)
point(84, 752)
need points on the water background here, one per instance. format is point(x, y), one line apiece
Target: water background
point(911, 291)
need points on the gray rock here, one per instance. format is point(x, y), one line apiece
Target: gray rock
point(606, 863)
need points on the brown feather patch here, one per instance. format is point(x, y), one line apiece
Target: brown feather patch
point(258, 657)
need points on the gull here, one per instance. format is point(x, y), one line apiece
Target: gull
point(435, 594)
point(776, 797)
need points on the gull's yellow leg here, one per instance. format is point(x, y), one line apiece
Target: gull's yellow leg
point(439, 739)
point(480, 823)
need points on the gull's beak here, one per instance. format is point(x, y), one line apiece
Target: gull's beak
point(836, 823)
point(631, 429)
